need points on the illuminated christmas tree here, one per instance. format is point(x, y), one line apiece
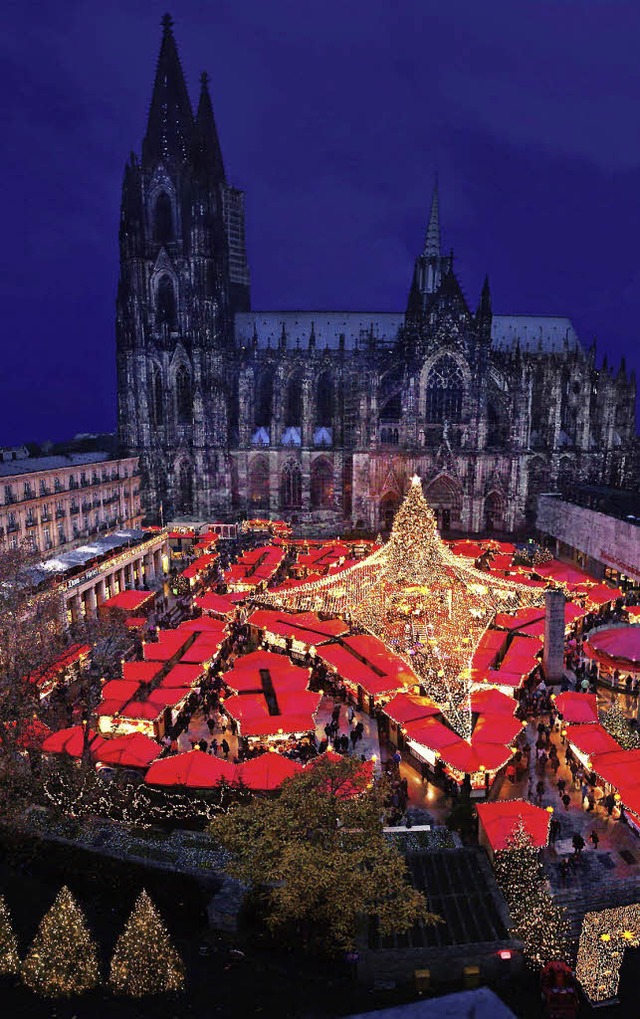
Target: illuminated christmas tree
point(428, 605)
point(62, 959)
point(617, 725)
point(537, 921)
point(144, 959)
point(9, 959)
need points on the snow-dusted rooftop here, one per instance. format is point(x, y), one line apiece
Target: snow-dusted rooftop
point(32, 464)
point(65, 561)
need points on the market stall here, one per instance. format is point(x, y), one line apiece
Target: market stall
point(192, 770)
point(498, 823)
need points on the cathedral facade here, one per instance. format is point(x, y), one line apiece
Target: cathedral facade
point(323, 417)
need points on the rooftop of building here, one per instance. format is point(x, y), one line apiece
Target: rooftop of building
point(34, 464)
point(613, 502)
point(535, 333)
point(98, 548)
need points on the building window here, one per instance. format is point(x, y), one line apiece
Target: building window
point(156, 412)
point(325, 400)
point(163, 232)
point(445, 388)
point(264, 400)
point(166, 302)
point(321, 485)
point(183, 397)
point(291, 486)
point(293, 401)
point(8, 495)
point(184, 495)
point(259, 485)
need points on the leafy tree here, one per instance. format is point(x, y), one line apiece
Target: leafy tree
point(144, 959)
point(319, 858)
point(62, 959)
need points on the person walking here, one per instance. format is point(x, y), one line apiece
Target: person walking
point(595, 838)
point(578, 843)
point(225, 748)
point(566, 799)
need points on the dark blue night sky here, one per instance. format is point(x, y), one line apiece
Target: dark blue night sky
point(334, 117)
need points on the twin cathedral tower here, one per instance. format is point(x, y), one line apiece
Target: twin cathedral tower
point(322, 417)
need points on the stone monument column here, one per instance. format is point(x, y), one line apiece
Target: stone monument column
point(553, 660)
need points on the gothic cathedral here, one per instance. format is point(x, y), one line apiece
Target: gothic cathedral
point(322, 417)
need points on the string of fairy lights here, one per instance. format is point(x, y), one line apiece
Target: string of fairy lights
point(603, 939)
point(419, 598)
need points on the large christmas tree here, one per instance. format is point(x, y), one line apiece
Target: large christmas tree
point(62, 959)
point(144, 959)
point(9, 959)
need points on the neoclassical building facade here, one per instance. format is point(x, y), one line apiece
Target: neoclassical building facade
point(322, 417)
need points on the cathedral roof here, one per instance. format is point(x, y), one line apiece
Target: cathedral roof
point(170, 124)
point(535, 333)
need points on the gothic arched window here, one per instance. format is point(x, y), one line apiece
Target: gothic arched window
point(497, 424)
point(291, 486)
point(166, 302)
point(321, 484)
point(156, 409)
point(293, 401)
point(184, 403)
point(163, 231)
point(445, 388)
point(184, 494)
point(324, 401)
point(264, 400)
point(494, 512)
point(259, 484)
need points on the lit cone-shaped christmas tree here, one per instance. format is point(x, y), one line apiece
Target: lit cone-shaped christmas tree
point(144, 959)
point(617, 725)
point(9, 959)
point(427, 604)
point(62, 960)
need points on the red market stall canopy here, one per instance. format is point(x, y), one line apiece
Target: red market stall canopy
point(141, 672)
point(470, 758)
point(305, 627)
point(601, 594)
point(467, 548)
point(365, 662)
point(74, 654)
point(204, 648)
point(205, 624)
point(194, 770)
point(72, 741)
point(616, 648)
point(278, 725)
point(592, 739)
point(182, 675)
point(489, 647)
point(619, 768)
point(431, 733)
point(119, 690)
point(254, 567)
point(135, 750)
point(266, 772)
point(169, 644)
point(577, 708)
point(249, 706)
point(513, 621)
point(633, 611)
point(166, 696)
point(489, 701)
point(136, 622)
point(521, 656)
point(250, 672)
point(500, 820)
point(216, 604)
point(405, 707)
point(562, 573)
point(201, 564)
point(141, 711)
point(496, 728)
point(129, 601)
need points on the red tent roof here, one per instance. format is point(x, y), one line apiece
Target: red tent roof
point(120, 689)
point(195, 770)
point(496, 728)
point(501, 818)
point(136, 622)
point(563, 573)
point(577, 707)
point(169, 644)
point(204, 624)
point(218, 604)
point(135, 750)
point(431, 733)
point(182, 675)
point(245, 675)
point(619, 768)
point(514, 620)
point(406, 707)
point(71, 741)
point(128, 601)
point(306, 627)
point(140, 672)
point(618, 647)
point(521, 656)
point(145, 710)
point(275, 725)
point(204, 648)
point(469, 758)
point(492, 701)
point(267, 772)
point(592, 739)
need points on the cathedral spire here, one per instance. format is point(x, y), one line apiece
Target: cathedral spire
point(170, 125)
point(208, 148)
point(432, 236)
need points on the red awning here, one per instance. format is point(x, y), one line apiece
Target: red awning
point(129, 601)
point(135, 750)
point(501, 819)
point(204, 624)
point(204, 648)
point(182, 675)
point(140, 672)
point(267, 772)
point(195, 770)
point(72, 741)
point(493, 702)
point(305, 627)
point(592, 739)
point(120, 689)
point(217, 604)
point(470, 758)
point(618, 768)
point(496, 728)
point(617, 647)
point(431, 733)
point(405, 707)
point(577, 707)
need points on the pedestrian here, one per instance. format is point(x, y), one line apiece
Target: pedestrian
point(225, 748)
point(511, 773)
point(539, 791)
point(351, 714)
point(595, 838)
point(578, 843)
point(214, 747)
point(566, 799)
